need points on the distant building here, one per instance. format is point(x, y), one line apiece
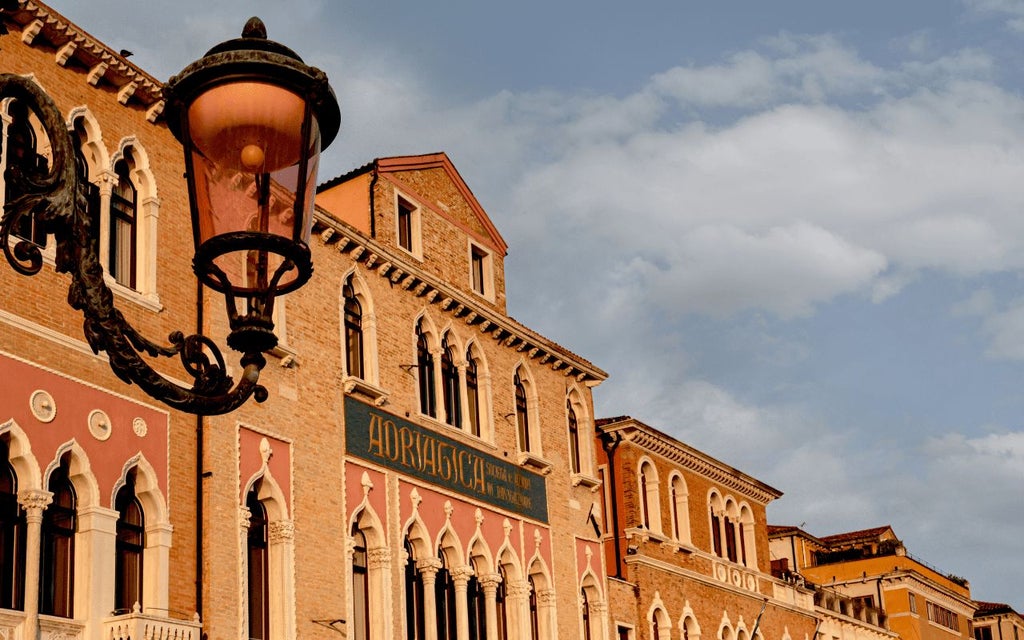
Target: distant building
point(997, 621)
point(686, 544)
point(873, 568)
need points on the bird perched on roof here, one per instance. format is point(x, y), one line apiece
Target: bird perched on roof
point(125, 53)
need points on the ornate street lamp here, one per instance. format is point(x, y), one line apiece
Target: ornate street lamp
point(252, 118)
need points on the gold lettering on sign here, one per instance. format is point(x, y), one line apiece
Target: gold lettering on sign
point(451, 464)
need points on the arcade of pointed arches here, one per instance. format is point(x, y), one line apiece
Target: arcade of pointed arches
point(452, 589)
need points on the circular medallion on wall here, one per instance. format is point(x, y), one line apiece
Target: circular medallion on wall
point(99, 425)
point(42, 405)
point(140, 427)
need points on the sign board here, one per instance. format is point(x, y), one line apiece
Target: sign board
point(425, 454)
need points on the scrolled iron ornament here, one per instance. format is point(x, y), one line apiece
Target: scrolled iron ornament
point(57, 202)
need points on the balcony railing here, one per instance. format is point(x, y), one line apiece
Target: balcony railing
point(145, 626)
point(847, 606)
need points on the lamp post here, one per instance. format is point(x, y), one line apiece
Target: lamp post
point(252, 118)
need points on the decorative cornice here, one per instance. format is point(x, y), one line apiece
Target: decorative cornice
point(377, 258)
point(655, 442)
point(41, 23)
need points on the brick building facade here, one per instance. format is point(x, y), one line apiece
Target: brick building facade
point(423, 468)
point(426, 467)
point(686, 541)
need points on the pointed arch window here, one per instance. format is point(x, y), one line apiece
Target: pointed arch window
point(574, 438)
point(360, 627)
point(414, 616)
point(353, 331)
point(123, 215)
point(522, 415)
point(501, 605)
point(129, 547)
point(477, 607)
point(259, 566)
point(425, 370)
point(450, 386)
point(585, 613)
point(473, 394)
point(21, 153)
point(92, 190)
point(444, 601)
point(57, 562)
point(12, 536)
point(534, 613)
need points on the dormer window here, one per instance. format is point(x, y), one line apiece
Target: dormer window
point(481, 272)
point(407, 226)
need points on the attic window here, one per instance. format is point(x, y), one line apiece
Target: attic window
point(481, 274)
point(407, 226)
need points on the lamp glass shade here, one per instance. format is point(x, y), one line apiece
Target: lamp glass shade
point(248, 142)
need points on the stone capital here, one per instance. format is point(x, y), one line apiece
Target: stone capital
point(379, 558)
point(34, 501)
point(280, 531)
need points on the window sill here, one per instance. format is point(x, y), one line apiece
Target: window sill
point(150, 301)
point(585, 480)
point(351, 384)
point(289, 357)
point(533, 461)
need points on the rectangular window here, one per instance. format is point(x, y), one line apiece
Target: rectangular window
point(913, 603)
point(407, 226)
point(404, 225)
point(480, 271)
point(943, 616)
point(982, 633)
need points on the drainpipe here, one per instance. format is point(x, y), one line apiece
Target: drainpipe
point(373, 205)
point(199, 478)
point(611, 441)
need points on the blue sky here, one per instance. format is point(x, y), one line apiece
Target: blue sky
point(792, 232)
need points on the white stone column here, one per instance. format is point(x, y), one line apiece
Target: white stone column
point(489, 583)
point(517, 607)
point(106, 184)
point(438, 390)
point(281, 543)
point(34, 502)
point(95, 551)
point(722, 537)
point(146, 219)
point(599, 622)
point(244, 518)
point(546, 627)
point(156, 565)
point(378, 566)
point(461, 576)
point(467, 424)
point(428, 569)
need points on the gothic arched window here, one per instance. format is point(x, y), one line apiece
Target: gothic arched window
point(129, 548)
point(259, 567)
point(57, 562)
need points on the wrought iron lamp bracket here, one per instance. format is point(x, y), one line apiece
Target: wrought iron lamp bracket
point(59, 205)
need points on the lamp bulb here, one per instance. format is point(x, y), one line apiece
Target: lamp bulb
point(252, 157)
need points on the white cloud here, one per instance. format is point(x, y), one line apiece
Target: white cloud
point(1011, 10)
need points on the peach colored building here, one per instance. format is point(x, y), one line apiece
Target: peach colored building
point(873, 569)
